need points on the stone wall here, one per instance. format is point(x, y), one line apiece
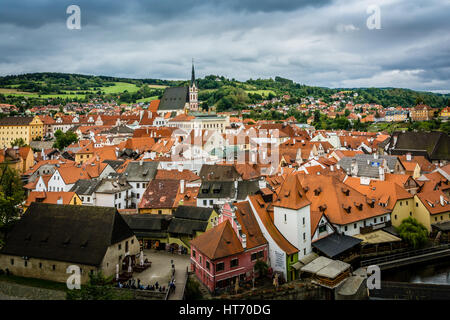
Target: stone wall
point(295, 290)
point(15, 291)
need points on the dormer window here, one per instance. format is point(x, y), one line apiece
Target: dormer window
point(346, 191)
point(317, 191)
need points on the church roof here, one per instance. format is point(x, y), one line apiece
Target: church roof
point(174, 98)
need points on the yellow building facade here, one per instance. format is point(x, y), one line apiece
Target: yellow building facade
point(26, 128)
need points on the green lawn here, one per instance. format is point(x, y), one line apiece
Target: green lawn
point(32, 282)
point(147, 99)
point(117, 88)
point(120, 87)
point(263, 93)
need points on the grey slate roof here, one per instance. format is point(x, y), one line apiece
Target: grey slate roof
point(85, 186)
point(15, 121)
point(69, 233)
point(114, 163)
point(217, 189)
point(335, 244)
point(434, 145)
point(174, 98)
point(113, 185)
point(187, 227)
point(193, 213)
point(371, 169)
point(136, 172)
point(119, 129)
point(147, 222)
point(246, 188)
point(212, 172)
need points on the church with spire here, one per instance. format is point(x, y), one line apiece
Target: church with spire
point(177, 100)
point(193, 92)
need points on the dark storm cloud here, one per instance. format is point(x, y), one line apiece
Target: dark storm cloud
point(317, 42)
point(35, 13)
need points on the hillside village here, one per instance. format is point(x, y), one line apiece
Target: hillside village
point(102, 182)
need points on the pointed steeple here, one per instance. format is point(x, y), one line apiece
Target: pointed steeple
point(193, 74)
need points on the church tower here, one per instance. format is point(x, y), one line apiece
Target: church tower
point(193, 92)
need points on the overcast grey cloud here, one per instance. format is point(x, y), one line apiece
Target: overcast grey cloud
point(316, 42)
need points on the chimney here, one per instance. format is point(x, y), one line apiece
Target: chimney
point(59, 201)
point(408, 157)
point(354, 168)
point(338, 166)
point(180, 167)
point(441, 199)
point(181, 186)
point(244, 241)
point(331, 168)
point(141, 162)
point(381, 171)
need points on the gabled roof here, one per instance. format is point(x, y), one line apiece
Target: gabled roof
point(72, 174)
point(291, 194)
point(218, 242)
point(432, 201)
point(193, 213)
point(137, 171)
point(217, 189)
point(249, 225)
point(15, 121)
point(213, 172)
point(387, 191)
point(435, 145)
point(261, 210)
point(341, 203)
point(186, 175)
point(160, 194)
point(75, 234)
point(85, 186)
point(49, 197)
point(174, 98)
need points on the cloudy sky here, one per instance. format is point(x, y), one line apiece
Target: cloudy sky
point(314, 42)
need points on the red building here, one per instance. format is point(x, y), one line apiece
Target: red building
point(229, 250)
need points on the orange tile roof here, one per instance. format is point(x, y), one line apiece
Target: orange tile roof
point(431, 200)
point(382, 191)
point(249, 225)
point(186, 175)
point(49, 197)
point(334, 198)
point(72, 174)
point(188, 198)
point(262, 212)
point(291, 194)
point(218, 242)
point(154, 105)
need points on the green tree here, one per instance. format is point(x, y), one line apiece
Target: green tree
point(11, 196)
point(19, 142)
point(99, 287)
point(64, 139)
point(413, 232)
point(192, 290)
point(262, 268)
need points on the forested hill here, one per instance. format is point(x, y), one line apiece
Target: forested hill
point(214, 90)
